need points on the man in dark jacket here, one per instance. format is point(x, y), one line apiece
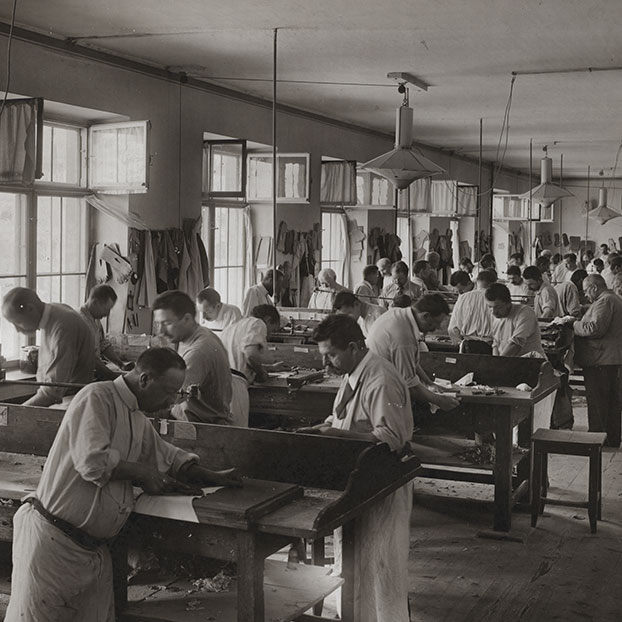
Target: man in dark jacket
point(598, 346)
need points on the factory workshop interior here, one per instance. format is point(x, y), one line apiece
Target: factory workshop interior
point(310, 310)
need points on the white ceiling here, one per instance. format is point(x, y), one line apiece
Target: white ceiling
point(466, 49)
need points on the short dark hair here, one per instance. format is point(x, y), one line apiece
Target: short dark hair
point(533, 273)
point(498, 291)
point(616, 262)
point(269, 275)
point(570, 256)
point(176, 301)
point(543, 263)
point(102, 293)
point(487, 261)
point(518, 256)
point(340, 330)
point(420, 265)
point(577, 277)
point(556, 258)
point(209, 295)
point(400, 266)
point(369, 270)
point(267, 313)
point(487, 276)
point(464, 261)
point(460, 277)
point(513, 270)
point(344, 299)
point(402, 301)
point(157, 361)
point(599, 262)
point(434, 304)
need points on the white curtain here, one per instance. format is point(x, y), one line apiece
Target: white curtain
point(117, 209)
point(18, 142)
point(444, 195)
point(344, 238)
point(338, 183)
point(249, 272)
point(420, 196)
point(467, 201)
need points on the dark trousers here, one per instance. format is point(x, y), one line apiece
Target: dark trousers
point(604, 405)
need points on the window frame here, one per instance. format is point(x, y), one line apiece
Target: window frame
point(207, 170)
point(284, 156)
point(120, 188)
point(334, 264)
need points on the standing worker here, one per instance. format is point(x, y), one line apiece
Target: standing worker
point(373, 405)
point(261, 293)
point(67, 350)
point(61, 563)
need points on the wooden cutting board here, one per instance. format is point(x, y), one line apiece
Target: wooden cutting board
point(235, 507)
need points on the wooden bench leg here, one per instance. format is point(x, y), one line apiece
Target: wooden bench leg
point(536, 486)
point(544, 480)
point(319, 559)
point(600, 485)
point(592, 503)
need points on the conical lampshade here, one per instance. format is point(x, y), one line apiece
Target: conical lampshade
point(602, 213)
point(404, 164)
point(546, 193)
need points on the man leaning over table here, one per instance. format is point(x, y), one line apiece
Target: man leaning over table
point(61, 563)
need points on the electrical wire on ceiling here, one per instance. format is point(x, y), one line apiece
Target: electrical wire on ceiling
point(9, 45)
point(505, 128)
point(285, 81)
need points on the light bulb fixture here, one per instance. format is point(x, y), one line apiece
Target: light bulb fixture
point(546, 192)
point(602, 213)
point(403, 164)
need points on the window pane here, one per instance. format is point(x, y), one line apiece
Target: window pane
point(66, 155)
point(47, 153)
point(10, 339)
point(74, 239)
point(220, 237)
point(236, 237)
point(13, 215)
point(226, 170)
point(72, 290)
point(48, 288)
point(48, 234)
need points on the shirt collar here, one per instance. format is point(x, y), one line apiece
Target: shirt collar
point(129, 399)
point(85, 311)
point(45, 317)
point(355, 376)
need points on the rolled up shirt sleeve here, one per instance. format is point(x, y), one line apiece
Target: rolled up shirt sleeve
point(90, 431)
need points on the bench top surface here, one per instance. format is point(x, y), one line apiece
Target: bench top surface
point(569, 437)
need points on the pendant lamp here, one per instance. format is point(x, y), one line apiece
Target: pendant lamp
point(546, 193)
point(602, 214)
point(403, 164)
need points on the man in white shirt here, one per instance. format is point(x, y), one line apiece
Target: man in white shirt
point(207, 365)
point(400, 285)
point(519, 289)
point(565, 268)
point(372, 405)
point(261, 294)
point(322, 298)
point(384, 266)
point(364, 313)
point(215, 314)
point(396, 336)
point(368, 290)
point(105, 445)
point(546, 301)
point(246, 343)
point(515, 329)
point(471, 318)
point(67, 348)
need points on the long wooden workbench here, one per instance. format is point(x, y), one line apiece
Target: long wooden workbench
point(334, 481)
point(498, 413)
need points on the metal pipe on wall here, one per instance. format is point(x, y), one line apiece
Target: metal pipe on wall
point(274, 165)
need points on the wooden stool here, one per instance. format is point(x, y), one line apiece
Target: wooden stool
point(544, 442)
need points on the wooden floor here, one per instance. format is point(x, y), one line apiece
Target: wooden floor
point(557, 571)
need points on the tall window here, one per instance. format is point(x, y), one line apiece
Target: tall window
point(62, 249)
point(332, 241)
point(13, 267)
point(229, 252)
point(403, 234)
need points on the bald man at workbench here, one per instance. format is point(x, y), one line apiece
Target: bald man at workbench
point(62, 568)
point(67, 349)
